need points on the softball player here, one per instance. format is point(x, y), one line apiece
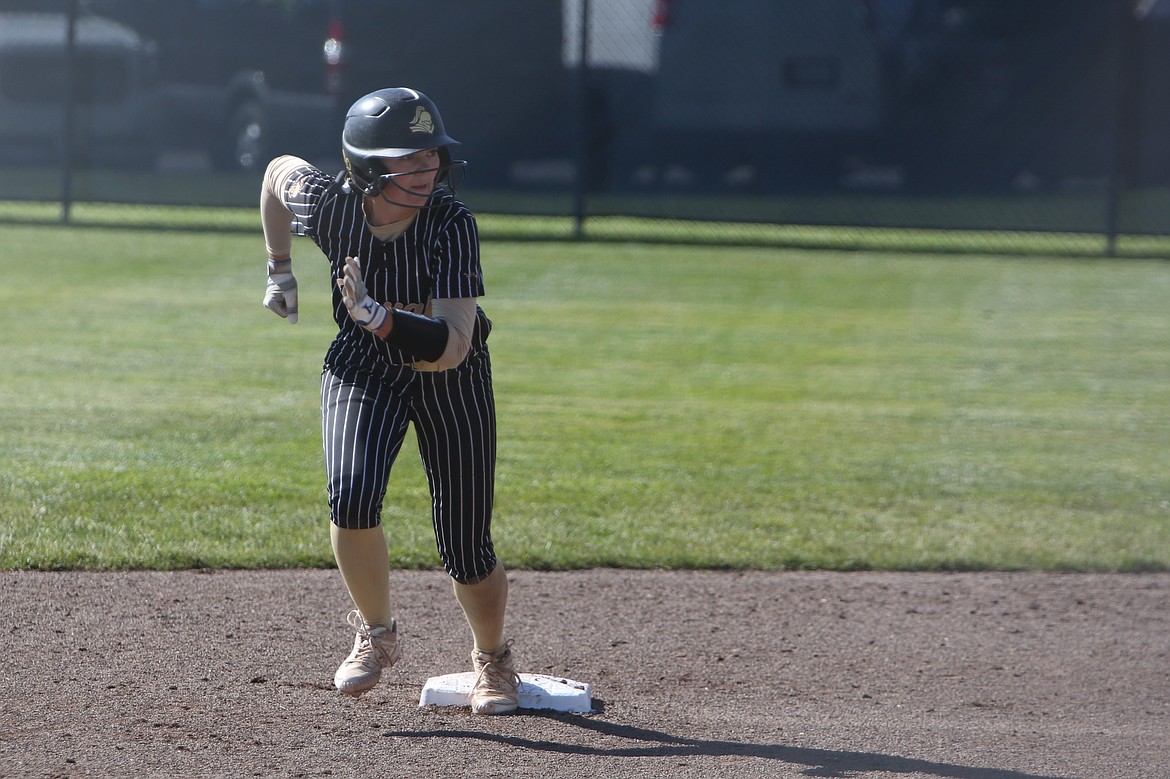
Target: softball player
point(411, 348)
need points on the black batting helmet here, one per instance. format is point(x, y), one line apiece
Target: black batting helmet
point(391, 123)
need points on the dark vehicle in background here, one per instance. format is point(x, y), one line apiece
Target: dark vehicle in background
point(993, 96)
point(236, 79)
point(115, 111)
point(246, 79)
point(753, 96)
point(227, 84)
point(929, 95)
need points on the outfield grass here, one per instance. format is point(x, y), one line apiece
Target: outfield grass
point(664, 406)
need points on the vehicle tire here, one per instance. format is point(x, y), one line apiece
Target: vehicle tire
point(245, 147)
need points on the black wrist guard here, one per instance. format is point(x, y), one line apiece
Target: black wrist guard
point(422, 336)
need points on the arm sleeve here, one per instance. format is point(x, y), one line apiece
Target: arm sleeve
point(459, 314)
point(275, 216)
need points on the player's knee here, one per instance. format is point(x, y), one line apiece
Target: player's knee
point(354, 509)
point(471, 570)
point(354, 521)
point(468, 578)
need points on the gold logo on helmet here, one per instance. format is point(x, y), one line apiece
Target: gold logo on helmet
point(422, 122)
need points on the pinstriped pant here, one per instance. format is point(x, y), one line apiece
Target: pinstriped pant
point(364, 419)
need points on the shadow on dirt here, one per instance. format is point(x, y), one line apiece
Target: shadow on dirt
point(821, 762)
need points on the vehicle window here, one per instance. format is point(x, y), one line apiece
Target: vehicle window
point(39, 77)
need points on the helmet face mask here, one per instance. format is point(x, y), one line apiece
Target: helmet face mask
point(393, 123)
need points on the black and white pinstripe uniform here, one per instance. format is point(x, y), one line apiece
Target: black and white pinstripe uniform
point(370, 392)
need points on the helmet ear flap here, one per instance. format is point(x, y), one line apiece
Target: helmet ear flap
point(364, 173)
point(451, 171)
point(445, 168)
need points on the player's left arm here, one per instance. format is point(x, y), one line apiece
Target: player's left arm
point(459, 315)
point(441, 341)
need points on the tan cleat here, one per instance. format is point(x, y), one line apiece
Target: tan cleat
point(497, 688)
point(374, 648)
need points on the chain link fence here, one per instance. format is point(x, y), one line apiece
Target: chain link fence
point(1044, 116)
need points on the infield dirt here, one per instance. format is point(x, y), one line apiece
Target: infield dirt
point(867, 675)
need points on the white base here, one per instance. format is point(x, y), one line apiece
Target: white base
point(537, 691)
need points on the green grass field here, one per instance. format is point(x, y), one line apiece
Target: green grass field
point(659, 406)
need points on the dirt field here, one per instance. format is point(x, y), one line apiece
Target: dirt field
point(877, 676)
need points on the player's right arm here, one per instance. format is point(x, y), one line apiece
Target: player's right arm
point(280, 294)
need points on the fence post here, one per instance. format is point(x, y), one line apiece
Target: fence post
point(581, 135)
point(68, 116)
point(1126, 124)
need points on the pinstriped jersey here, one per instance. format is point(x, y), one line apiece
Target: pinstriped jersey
point(436, 257)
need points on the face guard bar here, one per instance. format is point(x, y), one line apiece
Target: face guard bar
point(452, 174)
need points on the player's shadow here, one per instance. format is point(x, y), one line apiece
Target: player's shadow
point(653, 743)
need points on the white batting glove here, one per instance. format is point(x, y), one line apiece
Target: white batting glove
point(280, 295)
point(362, 308)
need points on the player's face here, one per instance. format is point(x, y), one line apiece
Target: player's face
point(411, 178)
